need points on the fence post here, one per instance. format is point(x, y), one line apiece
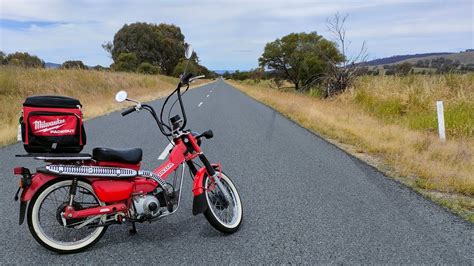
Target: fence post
point(441, 129)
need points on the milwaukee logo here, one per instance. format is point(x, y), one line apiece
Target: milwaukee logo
point(45, 126)
point(54, 127)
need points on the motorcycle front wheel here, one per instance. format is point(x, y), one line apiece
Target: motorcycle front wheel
point(48, 226)
point(224, 216)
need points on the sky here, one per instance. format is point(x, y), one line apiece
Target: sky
point(232, 34)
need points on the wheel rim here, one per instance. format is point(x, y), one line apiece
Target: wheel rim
point(231, 215)
point(48, 225)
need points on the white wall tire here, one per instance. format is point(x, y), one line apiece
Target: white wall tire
point(212, 214)
point(36, 228)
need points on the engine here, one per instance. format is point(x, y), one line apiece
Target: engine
point(146, 205)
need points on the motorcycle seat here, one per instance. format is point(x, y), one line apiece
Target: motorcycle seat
point(130, 156)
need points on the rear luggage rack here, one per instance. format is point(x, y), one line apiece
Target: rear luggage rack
point(57, 156)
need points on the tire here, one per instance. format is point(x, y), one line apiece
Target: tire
point(212, 211)
point(38, 231)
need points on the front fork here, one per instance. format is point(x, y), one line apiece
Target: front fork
point(215, 177)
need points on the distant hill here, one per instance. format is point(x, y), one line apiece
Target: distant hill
point(52, 65)
point(398, 58)
point(464, 58)
point(220, 72)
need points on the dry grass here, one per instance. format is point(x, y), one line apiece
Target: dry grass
point(95, 90)
point(411, 101)
point(443, 171)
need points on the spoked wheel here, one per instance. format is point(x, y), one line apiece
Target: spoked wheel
point(51, 230)
point(223, 215)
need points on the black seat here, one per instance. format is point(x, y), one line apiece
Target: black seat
point(132, 156)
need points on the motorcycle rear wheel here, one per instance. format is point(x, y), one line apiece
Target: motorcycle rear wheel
point(45, 224)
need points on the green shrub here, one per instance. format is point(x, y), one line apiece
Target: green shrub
point(127, 62)
point(147, 68)
point(73, 64)
point(24, 60)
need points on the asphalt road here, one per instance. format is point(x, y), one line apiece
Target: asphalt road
point(305, 200)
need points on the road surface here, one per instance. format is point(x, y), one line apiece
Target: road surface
point(305, 200)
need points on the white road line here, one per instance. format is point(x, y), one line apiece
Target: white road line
point(199, 105)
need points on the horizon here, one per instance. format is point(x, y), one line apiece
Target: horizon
point(232, 35)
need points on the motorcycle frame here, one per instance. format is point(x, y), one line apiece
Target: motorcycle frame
point(185, 150)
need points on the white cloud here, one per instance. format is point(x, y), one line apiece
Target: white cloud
point(218, 29)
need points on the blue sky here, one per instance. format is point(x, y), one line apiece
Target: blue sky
point(232, 34)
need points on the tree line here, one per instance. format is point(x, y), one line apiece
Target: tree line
point(21, 59)
point(138, 47)
point(309, 61)
point(299, 58)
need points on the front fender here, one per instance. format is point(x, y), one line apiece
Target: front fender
point(199, 202)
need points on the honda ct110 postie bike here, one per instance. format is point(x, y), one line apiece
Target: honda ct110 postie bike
point(70, 202)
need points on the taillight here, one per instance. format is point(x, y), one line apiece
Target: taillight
point(25, 180)
point(18, 170)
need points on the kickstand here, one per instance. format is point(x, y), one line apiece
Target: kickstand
point(132, 230)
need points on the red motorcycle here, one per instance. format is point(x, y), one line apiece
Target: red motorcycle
point(75, 197)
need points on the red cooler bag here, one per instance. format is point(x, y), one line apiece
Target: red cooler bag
point(52, 124)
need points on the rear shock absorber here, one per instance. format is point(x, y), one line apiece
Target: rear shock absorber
point(72, 191)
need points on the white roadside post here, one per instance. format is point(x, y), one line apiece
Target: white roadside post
point(441, 129)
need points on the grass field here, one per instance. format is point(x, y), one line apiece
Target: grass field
point(95, 90)
point(410, 101)
point(390, 122)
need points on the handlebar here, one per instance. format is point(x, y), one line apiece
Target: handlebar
point(185, 80)
point(128, 111)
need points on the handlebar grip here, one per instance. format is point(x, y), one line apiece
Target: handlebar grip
point(128, 111)
point(186, 78)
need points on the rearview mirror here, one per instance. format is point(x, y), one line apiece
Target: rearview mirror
point(121, 96)
point(189, 51)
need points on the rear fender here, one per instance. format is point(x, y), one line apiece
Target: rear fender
point(37, 182)
point(199, 202)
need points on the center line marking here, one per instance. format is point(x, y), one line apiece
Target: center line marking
point(199, 105)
